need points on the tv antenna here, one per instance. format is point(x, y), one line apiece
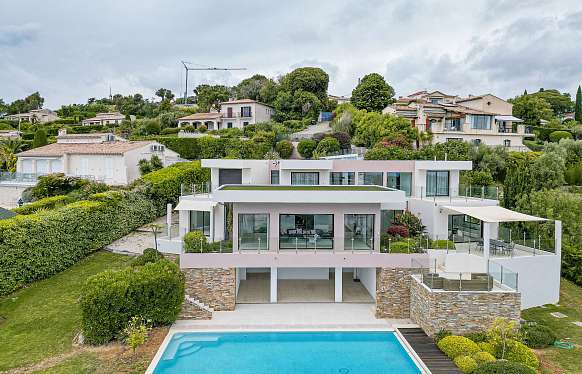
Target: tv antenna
point(188, 67)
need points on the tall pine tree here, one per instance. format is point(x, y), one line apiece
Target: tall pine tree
point(578, 106)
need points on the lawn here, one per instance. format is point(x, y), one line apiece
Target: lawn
point(557, 360)
point(41, 320)
point(303, 188)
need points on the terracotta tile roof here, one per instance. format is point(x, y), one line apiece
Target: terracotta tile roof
point(198, 116)
point(466, 110)
point(244, 101)
point(106, 148)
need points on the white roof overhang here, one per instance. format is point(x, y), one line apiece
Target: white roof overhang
point(196, 205)
point(493, 214)
point(508, 118)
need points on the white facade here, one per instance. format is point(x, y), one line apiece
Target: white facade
point(232, 114)
point(307, 229)
point(101, 157)
point(113, 118)
point(35, 116)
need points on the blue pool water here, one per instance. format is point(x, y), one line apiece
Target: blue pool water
point(285, 352)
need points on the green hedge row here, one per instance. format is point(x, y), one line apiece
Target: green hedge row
point(39, 245)
point(154, 292)
point(46, 203)
point(211, 147)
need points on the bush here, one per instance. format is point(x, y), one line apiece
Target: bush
point(465, 363)
point(136, 332)
point(56, 184)
point(202, 128)
point(441, 334)
point(503, 367)
point(443, 244)
point(537, 336)
point(398, 231)
point(328, 146)
point(477, 337)
point(483, 358)
point(195, 241)
point(284, 148)
point(306, 147)
point(556, 136)
point(520, 353)
point(487, 347)
point(454, 346)
point(344, 139)
point(477, 178)
point(149, 255)
point(400, 247)
point(110, 299)
point(412, 223)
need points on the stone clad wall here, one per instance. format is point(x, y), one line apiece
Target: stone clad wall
point(460, 312)
point(214, 287)
point(393, 293)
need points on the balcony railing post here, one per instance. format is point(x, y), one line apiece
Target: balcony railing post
point(389, 245)
point(259, 245)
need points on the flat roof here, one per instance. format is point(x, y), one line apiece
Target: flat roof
point(304, 188)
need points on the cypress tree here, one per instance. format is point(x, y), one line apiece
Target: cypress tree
point(40, 138)
point(524, 92)
point(578, 107)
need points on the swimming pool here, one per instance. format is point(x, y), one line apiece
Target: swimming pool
point(338, 352)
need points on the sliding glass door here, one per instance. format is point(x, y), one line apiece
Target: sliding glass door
point(253, 231)
point(359, 231)
point(306, 231)
point(200, 221)
point(437, 183)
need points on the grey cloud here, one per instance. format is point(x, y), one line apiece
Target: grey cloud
point(15, 35)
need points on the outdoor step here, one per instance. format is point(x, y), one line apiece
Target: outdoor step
point(199, 304)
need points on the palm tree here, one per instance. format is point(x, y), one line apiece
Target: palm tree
point(8, 148)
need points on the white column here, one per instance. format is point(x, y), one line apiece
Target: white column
point(338, 285)
point(486, 241)
point(169, 219)
point(211, 224)
point(558, 238)
point(274, 277)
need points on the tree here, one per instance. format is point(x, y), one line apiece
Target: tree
point(3, 106)
point(372, 93)
point(284, 148)
point(327, 146)
point(306, 147)
point(578, 106)
point(250, 88)
point(33, 101)
point(40, 138)
point(372, 127)
point(560, 102)
point(165, 94)
point(9, 147)
point(209, 97)
point(308, 79)
point(531, 109)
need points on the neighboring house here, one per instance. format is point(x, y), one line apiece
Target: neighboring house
point(339, 99)
point(112, 118)
point(102, 157)
point(11, 134)
point(483, 119)
point(287, 224)
point(232, 114)
point(35, 116)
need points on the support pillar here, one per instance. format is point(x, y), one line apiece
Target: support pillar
point(273, 293)
point(338, 285)
point(486, 242)
point(169, 219)
point(558, 238)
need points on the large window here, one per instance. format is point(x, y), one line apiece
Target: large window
point(400, 181)
point(481, 122)
point(359, 231)
point(306, 231)
point(200, 221)
point(275, 177)
point(253, 231)
point(464, 228)
point(370, 178)
point(305, 178)
point(342, 178)
point(437, 183)
point(245, 111)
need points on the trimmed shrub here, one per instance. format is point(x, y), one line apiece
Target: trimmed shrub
point(306, 147)
point(401, 247)
point(202, 128)
point(556, 136)
point(503, 367)
point(454, 346)
point(412, 223)
point(109, 300)
point(465, 363)
point(284, 148)
point(537, 336)
point(520, 353)
point(344, 139)
point(477, 337)
point(483, 358)
point(441, 334)
point(398, 231)
point(46, 203)
point(149, 255)
point(487, 347)
point(195, 241)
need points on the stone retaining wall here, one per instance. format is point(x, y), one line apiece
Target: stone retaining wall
point(460, 312)
point(214, 287)
point(393, 293)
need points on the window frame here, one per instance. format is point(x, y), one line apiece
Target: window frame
point(343, 175)
point(294, 173)
point(437, 188)
point(205, 219)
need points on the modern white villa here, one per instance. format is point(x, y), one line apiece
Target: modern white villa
point(483, 119)
point(232, 114)
point(311, 231)
point(103, 157)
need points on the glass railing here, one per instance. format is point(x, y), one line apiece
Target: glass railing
point(302, 242)
point(503, 275)
point(256, 242)
point(195, 189)
point(473, 192)
point(221, 246)
point(19, 177)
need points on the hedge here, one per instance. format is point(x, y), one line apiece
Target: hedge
point(39, 245)
point(46, 203)
point(154, 292)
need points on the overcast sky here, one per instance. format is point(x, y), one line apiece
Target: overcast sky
point(73, 50)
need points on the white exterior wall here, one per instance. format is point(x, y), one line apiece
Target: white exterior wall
point(489, 139)
point(110, 169)
point(259, 113)
point(367, 277)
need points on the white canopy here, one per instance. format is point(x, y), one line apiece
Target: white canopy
point(204, 205)
point(493, 214)
point(508, 118)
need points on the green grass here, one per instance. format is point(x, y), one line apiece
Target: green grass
point(83, 363)
point(571, 305)
point(41, 320)
point(304, 188)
